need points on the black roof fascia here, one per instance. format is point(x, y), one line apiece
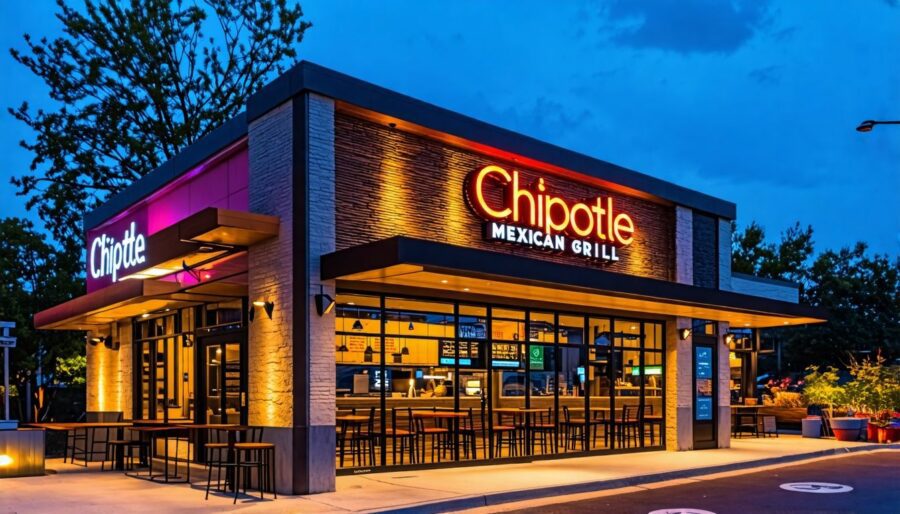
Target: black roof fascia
point(482, 263)
point(226, 134)
point(307, 76)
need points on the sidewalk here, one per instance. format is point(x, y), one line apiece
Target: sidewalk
point(463, 488)
point(74, 489)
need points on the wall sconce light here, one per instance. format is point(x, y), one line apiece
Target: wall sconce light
point(324, 302)
point(251, 313)
point(188, 341)
point(684, 333)
point(5, 461)
point(94, 341)
point(109, 344)
point(728, 339)
point(269, 307)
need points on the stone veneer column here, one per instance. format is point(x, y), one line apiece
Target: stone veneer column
point(724, 390)
point(320, 240)
point(291, 357)
point(679, 355)
point(108, 375)
point(684, 245)
point(270, 277)
point(679, 388)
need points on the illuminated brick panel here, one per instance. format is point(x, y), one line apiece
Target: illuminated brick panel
point(391, 183)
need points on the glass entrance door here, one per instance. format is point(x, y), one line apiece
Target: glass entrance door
point(704, 392)
point(224, 382)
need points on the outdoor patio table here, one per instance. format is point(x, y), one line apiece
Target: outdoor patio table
point(739, 411)
point(89, 437)
point(153, 434)
point(526, 415)
point(452, 417)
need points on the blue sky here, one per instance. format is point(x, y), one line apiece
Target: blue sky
point(755, 101)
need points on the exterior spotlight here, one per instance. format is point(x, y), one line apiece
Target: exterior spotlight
point(188, 341)
point(324, 303)
point(109, 344)
point(868, 125)
point(269, 307)
point(258, 303)
point(684, 333)
point(94, 341)
point(729, 339)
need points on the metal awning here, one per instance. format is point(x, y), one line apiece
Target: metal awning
point(213, 242)
point(404, 264)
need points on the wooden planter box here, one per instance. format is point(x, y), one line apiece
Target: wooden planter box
point(22, 453)
point(785, 417)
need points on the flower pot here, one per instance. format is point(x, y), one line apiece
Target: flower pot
point(888, 434)
point(845, 429)
point(812, 426)
point(871, 432)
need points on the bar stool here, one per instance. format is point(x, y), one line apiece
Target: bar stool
point(260, 456)
point(512, 440)
point(217, 448)
point(543, 427)
point(573, 430)
point(125, 448)
point(437, 433)
point(403, 436)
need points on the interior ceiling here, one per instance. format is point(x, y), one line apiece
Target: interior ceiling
point(407, 275)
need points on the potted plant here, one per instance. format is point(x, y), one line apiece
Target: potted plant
point(822, 388)
point(876, 388)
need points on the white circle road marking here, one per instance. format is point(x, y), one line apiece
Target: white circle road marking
point(816, 487)
point(681, 510)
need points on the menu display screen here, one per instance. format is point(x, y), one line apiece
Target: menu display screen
point(703, 383)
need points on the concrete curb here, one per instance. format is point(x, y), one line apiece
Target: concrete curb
point(485, 500)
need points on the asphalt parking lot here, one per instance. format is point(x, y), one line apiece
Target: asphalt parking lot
point(874, 477)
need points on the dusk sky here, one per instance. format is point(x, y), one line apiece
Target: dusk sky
point(755, 102)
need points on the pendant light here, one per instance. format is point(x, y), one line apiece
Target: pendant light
point(411, 326)
point(404, 350)
point(357, 326)
point(368, 353)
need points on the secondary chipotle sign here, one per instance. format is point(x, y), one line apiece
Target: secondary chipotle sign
point(534, 215)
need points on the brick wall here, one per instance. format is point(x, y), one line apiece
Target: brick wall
point(390, 182)
point(108, 377)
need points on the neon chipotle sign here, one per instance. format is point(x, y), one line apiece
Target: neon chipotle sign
point(531, 215)
point(111, 253)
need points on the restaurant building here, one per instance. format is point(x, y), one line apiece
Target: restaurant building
point(380, 282)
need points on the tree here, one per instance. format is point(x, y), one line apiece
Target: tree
point(862, 295)
point(134, 83)
point(786, 260)
point(34, 275)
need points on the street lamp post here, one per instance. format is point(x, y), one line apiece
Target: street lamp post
point(868, 125)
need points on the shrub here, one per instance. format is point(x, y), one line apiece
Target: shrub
point(822, 388)
point(788, 399)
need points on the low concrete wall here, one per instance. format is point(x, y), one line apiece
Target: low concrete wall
point(21, 453)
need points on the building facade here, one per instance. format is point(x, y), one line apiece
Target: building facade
point(383, 283)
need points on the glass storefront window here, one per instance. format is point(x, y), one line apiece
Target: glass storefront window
point(571, 329)
point(504, 371)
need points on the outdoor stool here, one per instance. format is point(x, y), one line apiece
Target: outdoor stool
point(260, 456)
point(125, 448)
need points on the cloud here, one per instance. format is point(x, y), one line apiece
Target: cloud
point(686, 26)
point(768, 75)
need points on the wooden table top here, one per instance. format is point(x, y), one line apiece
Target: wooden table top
point(76, 425)
point(216, 426)
point(440, 414)
point(352, 418)
point(519, 410)
point(753, 407)
point(151, 429)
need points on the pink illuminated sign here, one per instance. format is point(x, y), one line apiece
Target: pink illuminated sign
point(117, 248)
